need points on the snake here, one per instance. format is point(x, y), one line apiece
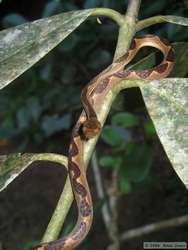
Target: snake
point(88, 126)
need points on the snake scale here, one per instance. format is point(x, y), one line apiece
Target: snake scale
point(88, 127)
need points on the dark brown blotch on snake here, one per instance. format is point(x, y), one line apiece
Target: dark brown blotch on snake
point(170, 56)
point(144, 73)
point(85, 208)
point(161, 68)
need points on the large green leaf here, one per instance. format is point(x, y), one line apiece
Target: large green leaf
point(14, 164)
point(167, 104)
point(24, 45)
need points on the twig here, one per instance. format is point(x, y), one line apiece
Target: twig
point(133, 9)
point(161, 19)
point(154, 227)
point(113, 192)
point(110, 217)
point(100, 191)
point(112, 14)
point(64, 203)
point(128, 29)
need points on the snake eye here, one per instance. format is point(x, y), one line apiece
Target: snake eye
point(91, 128)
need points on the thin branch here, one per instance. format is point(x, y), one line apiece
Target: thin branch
point(112, 14)
point(128, 29)
point(110, 219)
point(133, 9)
point(64, 203)
point(60, 213)
point(100, 191)
point(161, 19)
point(154, 227)
point(113, 192)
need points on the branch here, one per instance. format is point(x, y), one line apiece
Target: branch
point(161, 19)
point(100, 191)
point(133, 9)
point(112, 14)
point(113, 193)
point(109, 218)
point(154, 227)
point(128, 28)
point(64, 203)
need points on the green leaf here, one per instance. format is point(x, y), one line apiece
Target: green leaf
point(125, 185)
point(137, 163)
point(149, 128)
point(24, 45)
point(51, 8)
point(181, 63)
point(111, 136)
point(13, 19)
point(175, 20)
point(13, 165)
point(90, 4)
point(125, 119)
point(145, 63)
point(30, 245)
point(167, 104)
point(111, 161)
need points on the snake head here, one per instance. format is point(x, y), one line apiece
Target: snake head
point(91, 128)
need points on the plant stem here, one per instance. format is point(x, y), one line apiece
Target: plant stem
point(100, 191)
point(112, 14)
point(128, 27)
point(161, 19)
point(148, 22)
point(64, 203)
point(133, 9)
point(154, 227)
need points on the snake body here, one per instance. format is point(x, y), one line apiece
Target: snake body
point(88, 127)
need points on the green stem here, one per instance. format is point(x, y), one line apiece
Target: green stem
point(112, 14)
point(133, 9)
point(60, 213)
point(148, 22)
point(126, 32)
point(161, 19)
point(65, 200)
point(128, 29)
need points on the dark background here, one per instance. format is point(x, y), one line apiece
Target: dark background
point(39, 109)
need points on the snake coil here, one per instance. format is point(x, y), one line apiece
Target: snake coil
point(88, 127)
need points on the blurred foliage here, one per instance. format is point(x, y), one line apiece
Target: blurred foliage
point(131, 157)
